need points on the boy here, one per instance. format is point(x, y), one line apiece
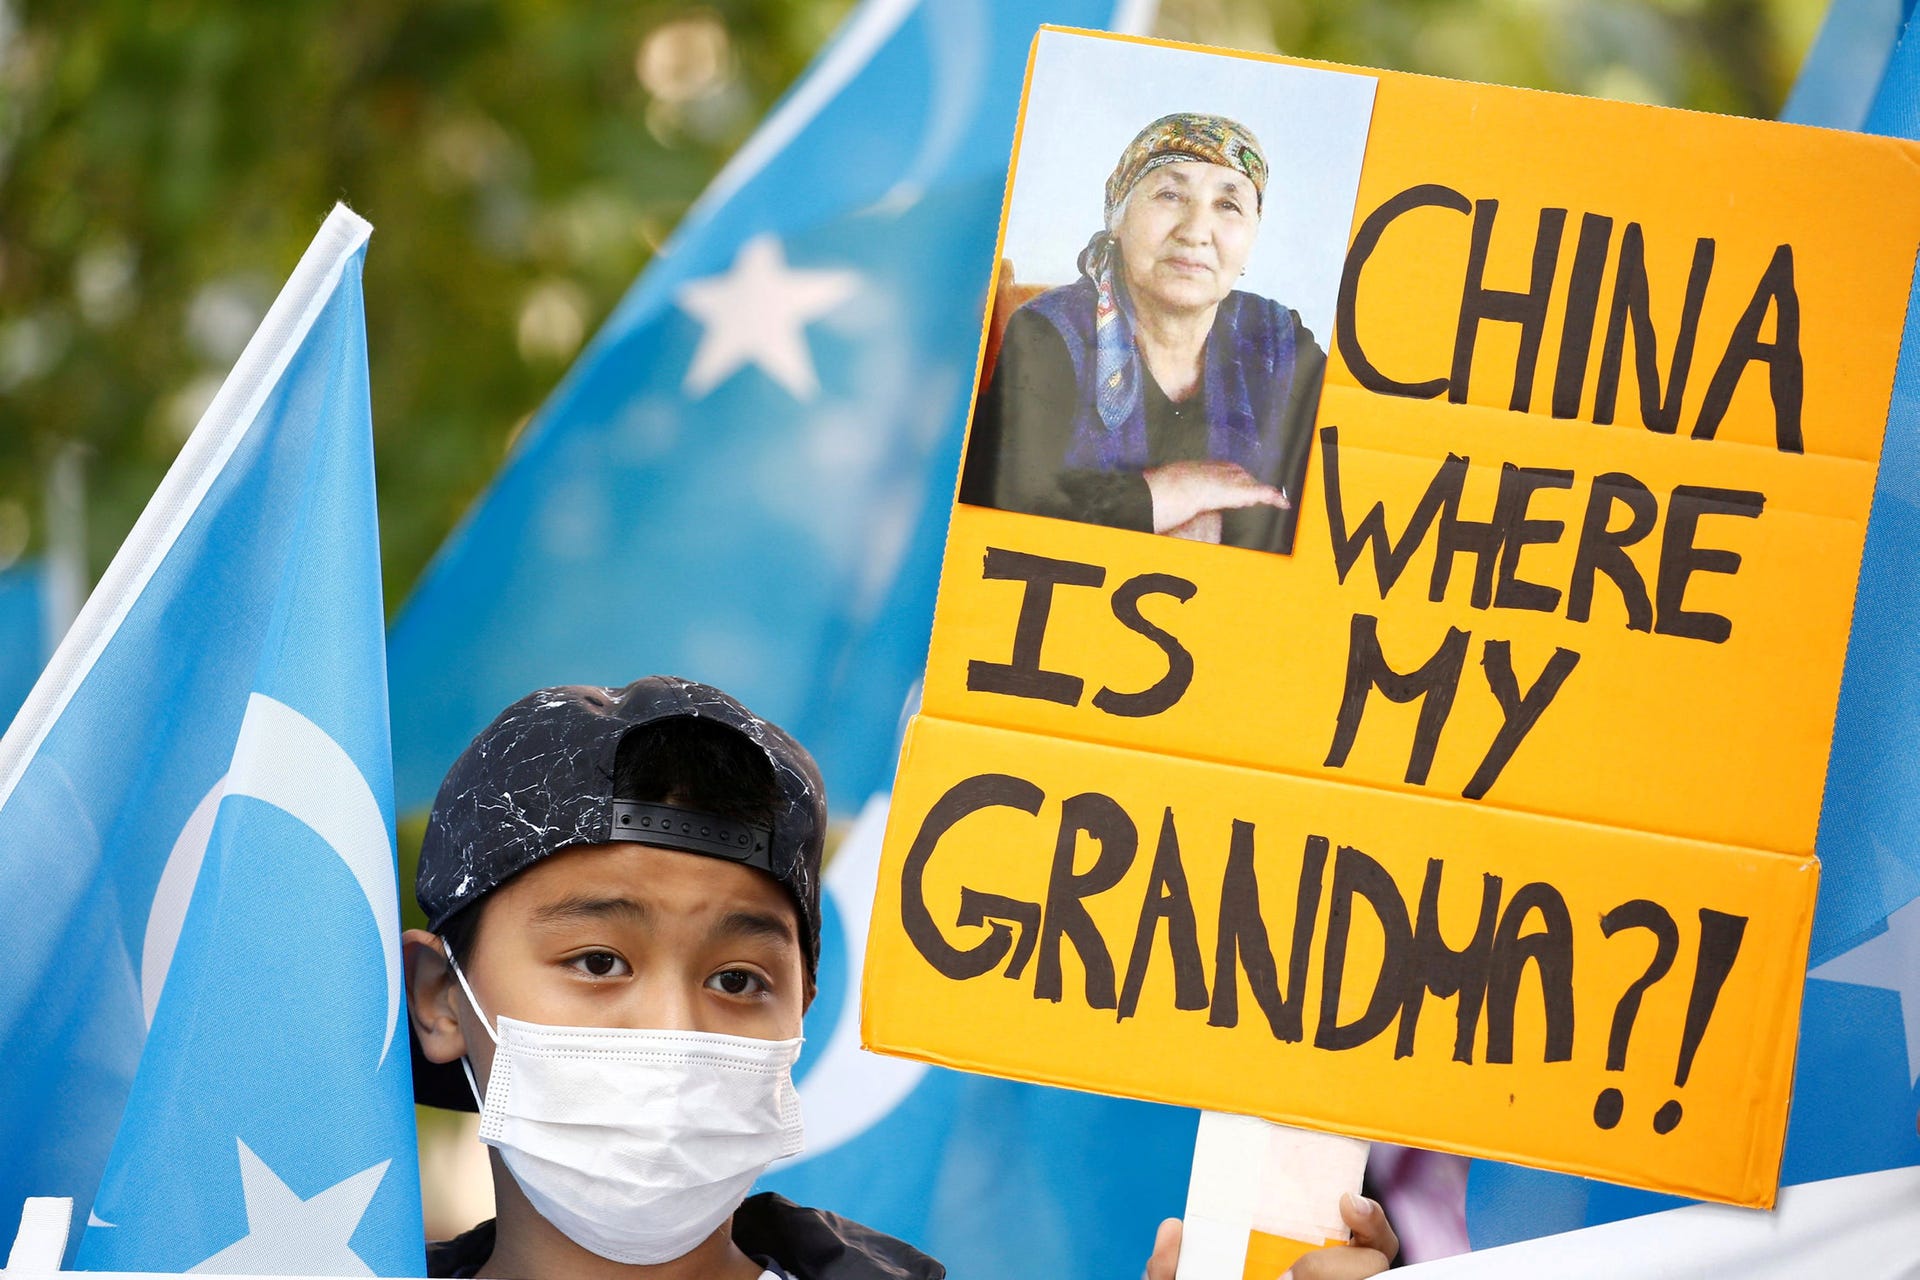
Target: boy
point(623, 897)
point(623, 893)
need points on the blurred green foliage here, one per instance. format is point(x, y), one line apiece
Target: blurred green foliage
point(163, 163)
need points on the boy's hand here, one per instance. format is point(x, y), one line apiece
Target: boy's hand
point(1373, 1249)
point(1166, 1251)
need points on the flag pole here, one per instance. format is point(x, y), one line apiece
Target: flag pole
point(66, 498)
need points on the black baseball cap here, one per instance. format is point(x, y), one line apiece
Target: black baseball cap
point(540, 779)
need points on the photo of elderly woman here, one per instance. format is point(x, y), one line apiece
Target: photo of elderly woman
point(1163, 375)
point(1151, 393)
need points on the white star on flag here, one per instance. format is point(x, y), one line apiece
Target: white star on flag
point(758, 311)
point(1890, 961)
point(288, 1236)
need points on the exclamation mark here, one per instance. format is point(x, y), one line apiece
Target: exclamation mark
point(1720, 937)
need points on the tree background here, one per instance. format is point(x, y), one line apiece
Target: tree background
point(164, 162)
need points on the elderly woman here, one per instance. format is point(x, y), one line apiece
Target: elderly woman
point(1150, 394)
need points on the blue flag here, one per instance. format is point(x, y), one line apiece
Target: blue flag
point(24, 595)
point(200, 1007)
point(745, 479)
point(1857, 1076)
point(1838, 81)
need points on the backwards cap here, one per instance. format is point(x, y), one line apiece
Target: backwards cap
point(540, 779)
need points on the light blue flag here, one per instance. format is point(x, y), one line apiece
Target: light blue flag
point(24, 595)
point(745, 478)
point(1857, 1077)
point(1839, 80)
point(200, 1034)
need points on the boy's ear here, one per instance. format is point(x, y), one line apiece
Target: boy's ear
point(432, 996)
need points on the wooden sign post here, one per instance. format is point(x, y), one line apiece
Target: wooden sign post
point(1262, 1196)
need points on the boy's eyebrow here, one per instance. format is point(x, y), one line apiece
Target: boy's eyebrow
point(582, 906)
point(764, 925)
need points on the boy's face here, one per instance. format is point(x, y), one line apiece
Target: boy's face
point(619, 935)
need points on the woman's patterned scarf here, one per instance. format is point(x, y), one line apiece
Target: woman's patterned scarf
point(1184, 135)
point(1188, 135)
point(1116, 364)
point(1246, 377)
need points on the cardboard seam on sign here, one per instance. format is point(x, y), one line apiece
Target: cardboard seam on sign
point(1550, 426)
point(1858, 483)
point(1411, 789)
point(1493, 421)
point(1414, 791)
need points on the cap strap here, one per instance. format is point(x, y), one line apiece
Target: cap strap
point(693, 831)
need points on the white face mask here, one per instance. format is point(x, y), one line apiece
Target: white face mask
point(637, 1144)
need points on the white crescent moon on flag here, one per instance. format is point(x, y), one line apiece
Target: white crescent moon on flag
point(169, 909)
point(291, 763)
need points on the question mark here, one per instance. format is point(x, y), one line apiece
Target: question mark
point(1720, 938)
point(1651, 916)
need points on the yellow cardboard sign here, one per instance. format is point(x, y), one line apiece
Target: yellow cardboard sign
point(1481, 816)
point(1246, 940)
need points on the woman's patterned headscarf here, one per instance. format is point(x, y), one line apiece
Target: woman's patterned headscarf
point(1184, 135)
point(1188, 135)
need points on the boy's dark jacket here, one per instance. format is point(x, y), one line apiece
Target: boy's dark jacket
point(811, 1244)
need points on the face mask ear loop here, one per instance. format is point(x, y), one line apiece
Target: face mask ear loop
point(465, 1065)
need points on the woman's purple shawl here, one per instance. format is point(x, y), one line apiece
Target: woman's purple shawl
point(1246, 383)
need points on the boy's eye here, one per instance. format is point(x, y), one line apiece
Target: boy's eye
point(600, 964)
point(737, 982)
